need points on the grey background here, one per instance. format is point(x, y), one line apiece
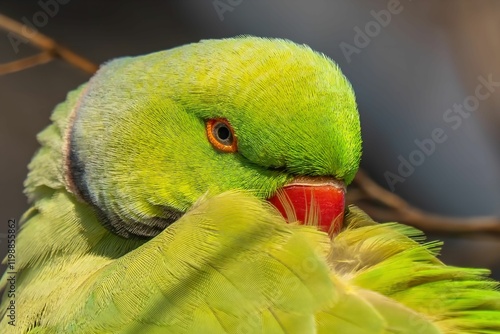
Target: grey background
point(405, 79)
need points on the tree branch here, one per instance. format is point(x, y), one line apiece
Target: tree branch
point(50, 49)
point(22, 64)
point(382, 205)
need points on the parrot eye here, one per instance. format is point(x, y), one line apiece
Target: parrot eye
point(221, 135)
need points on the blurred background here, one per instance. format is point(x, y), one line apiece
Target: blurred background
point(416, 66)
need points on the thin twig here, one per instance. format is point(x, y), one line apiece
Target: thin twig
point(46, 44)
point(385, 206)
point(22, 64)
point(374, 191)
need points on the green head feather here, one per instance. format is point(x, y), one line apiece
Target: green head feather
point(138, 148)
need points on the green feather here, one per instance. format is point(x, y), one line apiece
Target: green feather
point(232, 264)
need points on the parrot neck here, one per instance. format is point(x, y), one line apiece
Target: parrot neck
point(110, 216)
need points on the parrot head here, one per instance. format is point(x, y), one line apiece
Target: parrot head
point(150, 135)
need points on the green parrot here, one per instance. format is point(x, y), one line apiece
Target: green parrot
point(201, 190)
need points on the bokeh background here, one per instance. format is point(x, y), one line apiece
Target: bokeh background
point(408, 70)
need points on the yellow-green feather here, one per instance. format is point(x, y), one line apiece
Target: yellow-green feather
point(232, 265)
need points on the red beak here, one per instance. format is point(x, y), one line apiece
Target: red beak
point(318, 201)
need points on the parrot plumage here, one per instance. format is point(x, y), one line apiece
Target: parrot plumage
point(149, 211)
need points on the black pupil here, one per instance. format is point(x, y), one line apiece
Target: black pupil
point(223, 132)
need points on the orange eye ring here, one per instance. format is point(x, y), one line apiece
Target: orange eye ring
point(221, 135)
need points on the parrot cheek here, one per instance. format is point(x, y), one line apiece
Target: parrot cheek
point(318, 201)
